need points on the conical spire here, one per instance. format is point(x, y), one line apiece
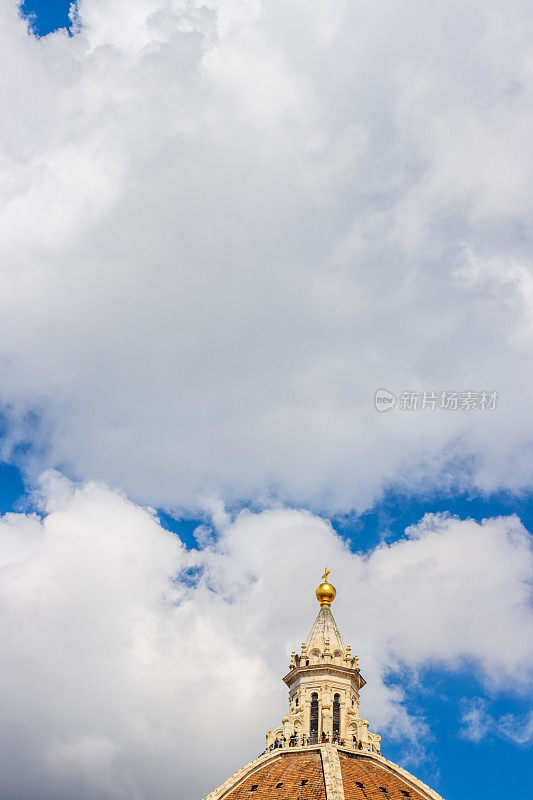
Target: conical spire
point(325, 631)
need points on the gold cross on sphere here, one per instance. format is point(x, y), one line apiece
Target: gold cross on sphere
point(326, 593)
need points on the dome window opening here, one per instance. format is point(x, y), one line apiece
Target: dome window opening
point(336, 715)
point(313, 727)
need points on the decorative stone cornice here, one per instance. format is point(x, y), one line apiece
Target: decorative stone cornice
point(333, 669)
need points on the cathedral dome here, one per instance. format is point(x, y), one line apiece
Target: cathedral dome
point(323, 772)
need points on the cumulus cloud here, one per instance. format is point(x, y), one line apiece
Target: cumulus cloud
point(125, 656)
point(225, 225)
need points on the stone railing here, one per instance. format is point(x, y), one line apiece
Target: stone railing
point(309, 742)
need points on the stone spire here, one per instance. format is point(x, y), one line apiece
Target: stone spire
point(325, 631)
point(324, 681)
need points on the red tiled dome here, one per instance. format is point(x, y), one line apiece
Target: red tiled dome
point(291, 775)
point(306, 774)
point(363, 779)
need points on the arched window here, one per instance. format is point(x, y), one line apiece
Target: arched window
point(313, 727)
point(336, 715)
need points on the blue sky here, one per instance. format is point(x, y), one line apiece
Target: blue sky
point(47, 15)
point(223, 233)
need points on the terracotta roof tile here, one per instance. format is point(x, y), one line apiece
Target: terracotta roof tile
point(300, 776)
point(364, 780)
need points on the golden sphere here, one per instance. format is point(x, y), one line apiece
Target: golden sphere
point(325, 594)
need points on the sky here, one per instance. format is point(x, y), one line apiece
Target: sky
point(267, 305)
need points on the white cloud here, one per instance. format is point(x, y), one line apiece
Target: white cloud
point(517, 730)
point(478, 723)
point(225, 225)
point(475, 720)
point(125, 656)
